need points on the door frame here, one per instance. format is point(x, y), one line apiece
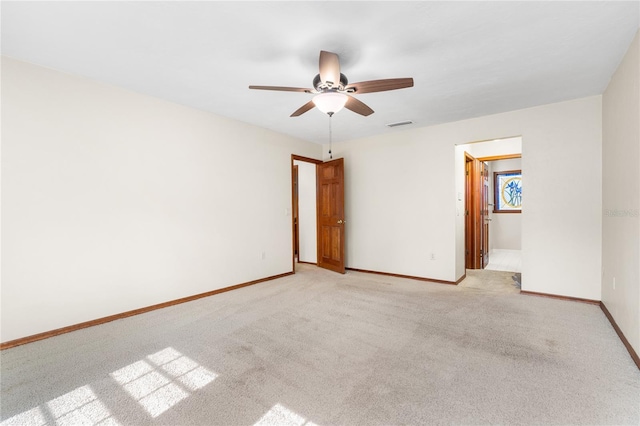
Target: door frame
point(315, 162)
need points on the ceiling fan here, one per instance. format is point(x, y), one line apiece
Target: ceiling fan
point(333, 91)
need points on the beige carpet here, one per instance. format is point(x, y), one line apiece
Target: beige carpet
point(322, 348)
point(487, 280)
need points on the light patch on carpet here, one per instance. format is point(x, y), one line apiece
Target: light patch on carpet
point(162, 380)
point(31, 417)
point(79, 407)
point(281, 416)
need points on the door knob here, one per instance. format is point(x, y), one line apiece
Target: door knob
point(339, 222)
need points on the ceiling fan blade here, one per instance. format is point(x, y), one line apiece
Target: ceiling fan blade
point(282, 89)
point(329, 68)
point(380, 85)
point(358, 106)
point(304, 108)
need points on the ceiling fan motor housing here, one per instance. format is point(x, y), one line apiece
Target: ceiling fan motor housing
point(322, 86)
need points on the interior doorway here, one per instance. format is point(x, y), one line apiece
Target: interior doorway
point(506, 224)
point(318, 221)
point(304, 209)
point(492, 237)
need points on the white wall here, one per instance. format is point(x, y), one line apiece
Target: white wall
point(505, 229)
point(492, 148)
point(621, 195)
point(114, 201)
point(402, 202)
point(307, 211)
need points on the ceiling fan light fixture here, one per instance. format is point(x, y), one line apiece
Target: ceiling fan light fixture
point(330, 102)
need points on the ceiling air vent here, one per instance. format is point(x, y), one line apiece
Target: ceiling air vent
point(400, 123)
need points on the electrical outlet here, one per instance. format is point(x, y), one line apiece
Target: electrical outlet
point(432, 256)
point(614, 283)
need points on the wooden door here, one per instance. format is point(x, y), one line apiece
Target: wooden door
point(473, 213)
point(469, 198)
point(484, 219)
point(296, 221)
point(330, 201)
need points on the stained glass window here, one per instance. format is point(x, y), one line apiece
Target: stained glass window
point(508, 191)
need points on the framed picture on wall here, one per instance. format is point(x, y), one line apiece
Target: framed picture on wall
point(507, 189)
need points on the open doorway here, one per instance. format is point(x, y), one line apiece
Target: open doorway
point(505, 233)
point(492, 232)
point(318, 221)
point(304, 209)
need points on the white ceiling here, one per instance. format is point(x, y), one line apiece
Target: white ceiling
point(468, 59)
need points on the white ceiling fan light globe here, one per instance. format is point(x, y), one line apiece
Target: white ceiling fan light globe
point(330, 102)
